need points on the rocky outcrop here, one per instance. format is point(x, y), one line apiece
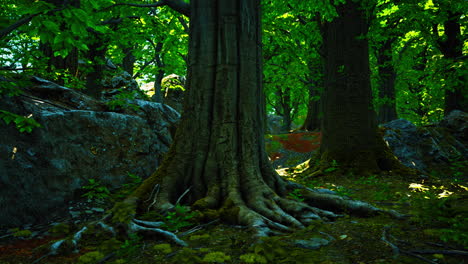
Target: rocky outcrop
point(427, 147)
point(80, 139)
point(173, 87)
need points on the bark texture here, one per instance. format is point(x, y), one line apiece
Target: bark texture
point(387, 78)
point(218, 151)
point(350, 134)
point(217, 163)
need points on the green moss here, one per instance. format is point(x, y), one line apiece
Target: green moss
point(253, 258)
point(90, 257)
point(60, 229)
point(21, 233)
point(123, 212)
point(229, 212)
point(216, 257)
point(163, 248)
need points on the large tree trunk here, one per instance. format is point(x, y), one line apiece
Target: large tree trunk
point(217, 161)
point(349, 129)
point(218, 151)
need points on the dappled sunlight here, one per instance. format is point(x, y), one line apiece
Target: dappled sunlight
point(439, 191)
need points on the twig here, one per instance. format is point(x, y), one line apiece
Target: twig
point(156, 187)
point(135, 228)
point(395, 249)
point(198, 227)
point(182, 196)
point(419, 257)
point(444, 252)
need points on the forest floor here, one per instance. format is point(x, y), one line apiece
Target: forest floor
point(436, 230)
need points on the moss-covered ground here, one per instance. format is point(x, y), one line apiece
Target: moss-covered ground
point(435, 231)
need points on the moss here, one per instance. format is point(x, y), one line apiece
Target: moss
point(123, 212)
point(216, 257)
point(229, 212)
point(60, 229)
point(163, 248)
point(90, 257)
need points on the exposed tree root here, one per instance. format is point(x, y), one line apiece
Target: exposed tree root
point(416, 253)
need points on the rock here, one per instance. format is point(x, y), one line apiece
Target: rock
point(80, 139)
point(457, 121)
point(274, 124)
point(312, 243)
point(121, 80)
point(427, 147)
point(173, 87)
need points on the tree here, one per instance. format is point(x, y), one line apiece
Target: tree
point(217, 161)
point(349, 129)
point(451, 46)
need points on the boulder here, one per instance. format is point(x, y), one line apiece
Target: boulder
point(173, 91)
point(80, 139)
point(428, 147)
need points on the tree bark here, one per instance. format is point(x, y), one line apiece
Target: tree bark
point(349, 127)
point(96, 54)
point(452, 48)
point(217, 162)
point(387, 78)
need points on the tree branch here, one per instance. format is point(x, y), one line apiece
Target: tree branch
point(4, 32)
point(177, 5)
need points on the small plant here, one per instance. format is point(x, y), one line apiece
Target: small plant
point(135, 180)
point(178, 218)
point(296, 195)
point(446, 214)
point(333, 167)
point(23, 124)
point(130, 245)
point(96, 191)
point(123, 100)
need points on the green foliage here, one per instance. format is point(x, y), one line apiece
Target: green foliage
point(130, 245)
point(448, 214)
point(178, 218)
point(458, 169)
point(296, 195)
point(123, 100)
point(23, 124)
point(96, 191)
point(9, 88)
point(333, 167)
point(383, 188)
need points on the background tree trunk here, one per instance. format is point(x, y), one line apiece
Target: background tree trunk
point(387, 78)
point(350, 135)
